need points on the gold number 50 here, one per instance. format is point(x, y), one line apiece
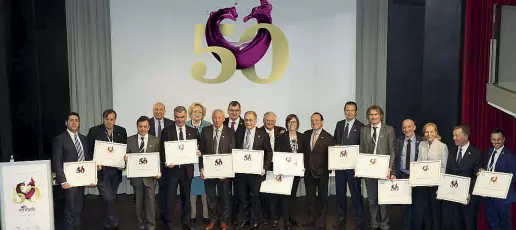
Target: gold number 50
point(280, 55)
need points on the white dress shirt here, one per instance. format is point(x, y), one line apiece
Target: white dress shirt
point(498, 151)
point(350, 124)
point(271, 136)
point(72, 135)
point(237, 121)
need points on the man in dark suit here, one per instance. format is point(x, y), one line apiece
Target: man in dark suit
point(235, 122)
point(500, 159)
point(217, 139)
point(270, 202)
point(407, 150)
point(70, 146)
point(109, 178)
point(317, 141)
point(377, 138)
point(178, 174)
point(156, 126)
point(347, 132)
point(463, 160)
point(248, 185)
point(144, 187)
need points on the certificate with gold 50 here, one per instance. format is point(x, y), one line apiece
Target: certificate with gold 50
point(372, 166)
point(218, 166)
point(248, 161)
point(493, 184)
point(82, 173)
point(143, 165)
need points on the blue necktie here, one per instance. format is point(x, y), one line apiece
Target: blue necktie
point(459, 158)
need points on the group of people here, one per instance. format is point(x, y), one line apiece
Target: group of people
point(237, 202)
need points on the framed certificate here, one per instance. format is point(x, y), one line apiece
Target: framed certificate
point(248, 161)
point(394, 192)
point(288, 164)
point(342, 157)
point(372, 166)
point(143, 165)
point(493, 184)
point(80, 173)
point(276, 184)
point(425, 173)
point(181, 152)
point(453, 188)
point(218, 166)
point(109, 154)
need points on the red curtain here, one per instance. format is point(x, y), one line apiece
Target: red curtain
point(482, 117)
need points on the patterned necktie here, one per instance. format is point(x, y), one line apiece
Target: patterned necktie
point(216, 142)
point(158, 134)
point(181, 134)
point(142, 145)
point(459, 157)
point(247, 140)
point(408, 153)
point(314, 139)
point(491, 162)
point(271, 139)
point(78, 147)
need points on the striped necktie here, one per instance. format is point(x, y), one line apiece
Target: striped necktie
point(78, 147)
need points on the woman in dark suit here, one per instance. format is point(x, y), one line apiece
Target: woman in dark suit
point(290, 141)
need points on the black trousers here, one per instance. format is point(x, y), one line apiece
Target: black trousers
point(248, 190)
point(460, 217)
point(235, 200)
point(287, 209)
point(343, 178)
point(108, 188)
point(178, 177)
point(317, 205)
point(218, 199)
point(74, 199)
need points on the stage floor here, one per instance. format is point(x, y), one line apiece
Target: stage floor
point(92, 215)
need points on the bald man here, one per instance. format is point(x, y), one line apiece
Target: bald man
point(407, 150)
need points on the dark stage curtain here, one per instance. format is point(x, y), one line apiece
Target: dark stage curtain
point(475, 111)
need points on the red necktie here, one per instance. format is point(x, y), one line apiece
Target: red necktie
point(232, 125)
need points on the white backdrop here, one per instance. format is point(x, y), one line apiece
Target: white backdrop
point(152, 52)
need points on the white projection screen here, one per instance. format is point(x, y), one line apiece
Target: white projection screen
point(153, 53)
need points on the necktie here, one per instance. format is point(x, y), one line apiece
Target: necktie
point(491, 162)
point(216, 142)
point(78, 147)
point(459, 157)
point(181, 134)
point(158, 134)
point(346, 131)
point(232, 125)
point(408, 153)
point(374, 134)
point(271, 139)
point(314, 139)
point(247, 138)
point(142, 145)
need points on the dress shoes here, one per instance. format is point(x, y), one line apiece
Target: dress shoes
point(243, 224)
point(224, 226)
point(340, 222)
point(255, 227)
point(210, 226)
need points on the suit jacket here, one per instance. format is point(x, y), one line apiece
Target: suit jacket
point(506, 163)
point(277, 131)
point(170, 134)
point(399, 152)
point(436, 151)
point(353, 138)
point(316, 160)
point(133, 146)
point(261, 142)
point(283, 143)
point(99, 133)
point(63, 150)
point(166, 123)
point(226, 142)
point(241, 124)
point(385, 143)
point(470, 164)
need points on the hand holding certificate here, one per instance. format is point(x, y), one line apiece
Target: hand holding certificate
point(493, 184)
point(425, 173)
point(276, 184)
point(181, 152)
point(109, 154)
point(288, 164)
point(372, 166)
point(218, 166)
point(143, 165)
point(82, 173)
point(342, 157)
point(454, 188)
point(248, 161)
point(394, 192)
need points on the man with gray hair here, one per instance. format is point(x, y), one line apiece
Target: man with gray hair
point(270, 202)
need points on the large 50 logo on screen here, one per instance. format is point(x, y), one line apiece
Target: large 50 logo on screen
point(251, 48)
